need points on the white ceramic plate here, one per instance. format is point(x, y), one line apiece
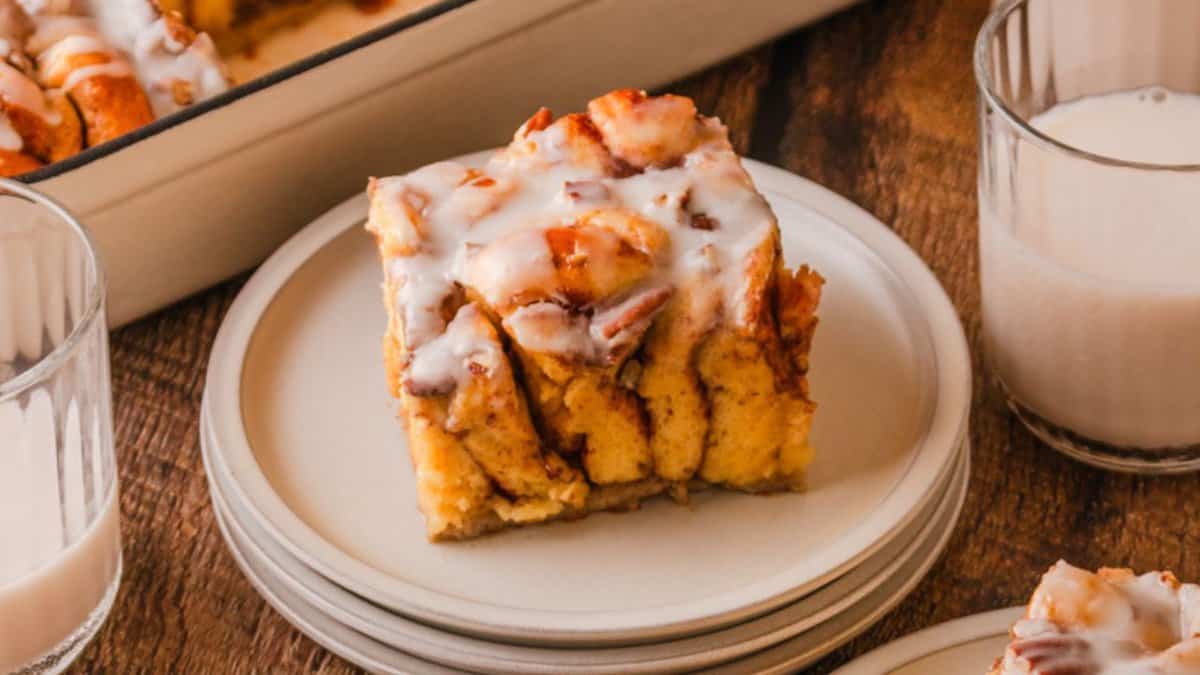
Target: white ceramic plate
point(690, 653)
point(805, 649)
point(793, 654)
point(330, 634)
point(305, 430)
point(967, 646)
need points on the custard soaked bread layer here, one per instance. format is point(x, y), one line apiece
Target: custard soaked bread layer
point(600, 314)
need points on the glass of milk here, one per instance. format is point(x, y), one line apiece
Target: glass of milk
point(1089, 224)
point(60, 542)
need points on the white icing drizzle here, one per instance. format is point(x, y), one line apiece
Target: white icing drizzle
point(464, 349)
point(55, 32)
point(423, 282)
point(487, 231)
point(516, 262)
point(116, 69)
point(58, 40)
point(547, 327)
point(48, 6)
point(167, 67)
point(9, 138)
point(1079, 622)
point(16, 89)
point(51, 29)
point(609, 333)
point(122, 20)
point(615, 328)
point(164, 65)
point(57, 55)
point(72, 44)
point(420, 297)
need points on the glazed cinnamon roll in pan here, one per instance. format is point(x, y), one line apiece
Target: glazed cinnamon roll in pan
point(76, 74)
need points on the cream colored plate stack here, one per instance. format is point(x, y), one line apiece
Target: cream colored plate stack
point(311, 482)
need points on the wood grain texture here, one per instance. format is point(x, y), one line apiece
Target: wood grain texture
point(877, 103)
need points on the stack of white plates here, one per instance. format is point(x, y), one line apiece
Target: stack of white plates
point(310, 478)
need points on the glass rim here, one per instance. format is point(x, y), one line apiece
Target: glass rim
point(94, 298)
point(993, 100)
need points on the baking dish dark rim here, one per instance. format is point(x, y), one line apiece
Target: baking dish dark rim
point(243, 90)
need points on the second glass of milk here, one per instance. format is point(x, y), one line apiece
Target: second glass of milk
point(1089, 212)
point(60, 543)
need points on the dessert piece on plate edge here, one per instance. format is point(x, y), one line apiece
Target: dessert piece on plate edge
point(1112, 622)
point(598, 315)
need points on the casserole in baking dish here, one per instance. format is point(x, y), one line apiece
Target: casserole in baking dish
point(79, 73)
point(75, 74)
point(205, 192)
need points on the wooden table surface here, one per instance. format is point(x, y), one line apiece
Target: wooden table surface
point(878, 104)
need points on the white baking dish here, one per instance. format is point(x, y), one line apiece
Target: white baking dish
point(203, 194)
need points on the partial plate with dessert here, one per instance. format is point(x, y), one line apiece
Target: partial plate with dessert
point(305, 436)
point(1077, 622)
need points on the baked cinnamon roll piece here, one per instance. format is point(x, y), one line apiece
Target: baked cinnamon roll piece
point(633, 327)
point(78, 73)
point(1108, 623)
point(74, 57)
point(176, 64)
point(36, 126)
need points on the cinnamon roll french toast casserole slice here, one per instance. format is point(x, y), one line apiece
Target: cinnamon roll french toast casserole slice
point(599, 314)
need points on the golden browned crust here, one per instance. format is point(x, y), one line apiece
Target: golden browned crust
point(111, 107)
point(48, 142)
point(612, 498)
point(17, 163)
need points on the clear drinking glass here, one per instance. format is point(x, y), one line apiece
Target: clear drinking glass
point(1090, 224)
point(60, 549)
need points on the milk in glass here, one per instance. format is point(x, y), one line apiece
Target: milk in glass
point(1091, 277)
